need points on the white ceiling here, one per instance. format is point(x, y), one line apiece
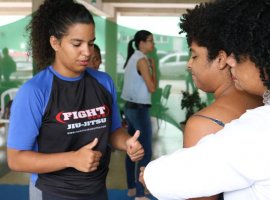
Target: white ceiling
point(13, 7)
point(111, 8)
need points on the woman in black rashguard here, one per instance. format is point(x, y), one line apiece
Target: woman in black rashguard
point(71, 111)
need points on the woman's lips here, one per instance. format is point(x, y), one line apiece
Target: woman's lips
point(234, 78)
point(84, 63)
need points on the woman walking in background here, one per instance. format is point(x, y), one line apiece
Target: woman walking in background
point(139, 83)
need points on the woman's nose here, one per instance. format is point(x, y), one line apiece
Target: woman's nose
point(87, 51)
point(189, 63)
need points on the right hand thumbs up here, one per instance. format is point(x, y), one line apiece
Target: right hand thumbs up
point(86, 159)
point(92, 144)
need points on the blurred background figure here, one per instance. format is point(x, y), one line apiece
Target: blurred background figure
point(139, 82)
point(95, 60)
point(153, 57)
point(8, 65)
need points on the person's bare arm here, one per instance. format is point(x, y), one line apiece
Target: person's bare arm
point(118, 139)
point(148, 76)
point(154, 70)
point(195, 129)
point(121, 140)
point(85, 160)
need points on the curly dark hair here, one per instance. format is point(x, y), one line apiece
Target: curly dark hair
point(246, 32)
point(53, 18)
point(202, 25)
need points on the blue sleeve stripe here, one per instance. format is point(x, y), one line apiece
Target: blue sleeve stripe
point(30, 103)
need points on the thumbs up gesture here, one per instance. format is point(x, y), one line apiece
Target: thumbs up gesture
point(86, 159)
point(134, 148)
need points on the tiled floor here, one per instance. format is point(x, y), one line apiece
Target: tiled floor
point(165, 140)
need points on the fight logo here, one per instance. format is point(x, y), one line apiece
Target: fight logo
point(92, 114)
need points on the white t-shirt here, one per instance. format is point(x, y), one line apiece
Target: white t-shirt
point(235, 160)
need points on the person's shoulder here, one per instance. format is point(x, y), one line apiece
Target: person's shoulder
point(102, 78)
point(199, 125)
point(138, 54)
point(41, 81)
point(98, 74)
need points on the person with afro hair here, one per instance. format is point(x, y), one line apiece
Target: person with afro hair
point(235, 160)
point(212, 74)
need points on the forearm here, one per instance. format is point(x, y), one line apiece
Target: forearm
point(154, 75)
point(151, 83)
point(35, 162)
point(168, 170)
point(119, 138)
point(187, 170)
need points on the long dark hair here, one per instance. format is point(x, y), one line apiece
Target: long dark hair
point(53, 18)
point(141, 35)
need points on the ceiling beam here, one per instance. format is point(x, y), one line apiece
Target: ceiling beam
point(15, 8)
point(111, 8)
point(19, 1)
point(149, 7)
point(150, 11)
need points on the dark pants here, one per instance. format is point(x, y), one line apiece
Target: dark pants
point(138, 119)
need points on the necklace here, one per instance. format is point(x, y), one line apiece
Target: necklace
point(266, 97)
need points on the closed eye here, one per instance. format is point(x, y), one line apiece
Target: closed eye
point(90, 44)
point(76, 44)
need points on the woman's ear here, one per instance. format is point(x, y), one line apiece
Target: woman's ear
point(222, 57)
point(54, 43)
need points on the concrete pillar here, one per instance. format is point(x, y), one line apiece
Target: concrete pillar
point(111, 47)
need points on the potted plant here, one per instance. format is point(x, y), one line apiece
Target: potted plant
point(191, 102)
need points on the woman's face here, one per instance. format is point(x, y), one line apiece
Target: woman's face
point(148, 45)
point(95, 60)
point(73, 51)
point(205, 73)
point(246, 76)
